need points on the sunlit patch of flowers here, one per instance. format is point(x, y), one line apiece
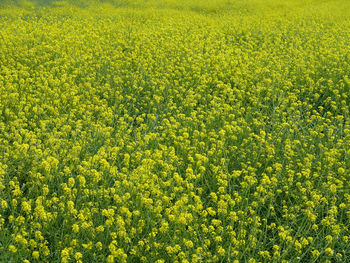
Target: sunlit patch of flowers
point(203, 131)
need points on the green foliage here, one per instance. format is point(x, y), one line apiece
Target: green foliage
point(175, 131)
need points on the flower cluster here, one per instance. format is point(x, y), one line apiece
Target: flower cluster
point(210, 131)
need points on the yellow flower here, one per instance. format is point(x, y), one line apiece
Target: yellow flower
point(65, 253)
point(329, 238)
point(189, 243)
point(110, 259)
point(329, 251)
point(221, 251)
point(35, 254)
point(12, 249)
point(78, 256)
point(4, 204)
point(75, 228)
point(99, 245)
point(71, 182)
point(100, 229)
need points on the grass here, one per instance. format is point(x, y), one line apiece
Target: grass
point(174, 131)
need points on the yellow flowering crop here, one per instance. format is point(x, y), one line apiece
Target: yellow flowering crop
point(174, 131)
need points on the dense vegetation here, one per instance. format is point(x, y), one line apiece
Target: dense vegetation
point(175, 131)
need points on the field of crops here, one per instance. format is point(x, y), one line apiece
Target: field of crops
point(175, 131)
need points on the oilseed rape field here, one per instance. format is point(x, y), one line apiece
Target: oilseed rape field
point(175, 131)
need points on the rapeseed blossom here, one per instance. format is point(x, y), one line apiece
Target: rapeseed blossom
point(175, 131)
